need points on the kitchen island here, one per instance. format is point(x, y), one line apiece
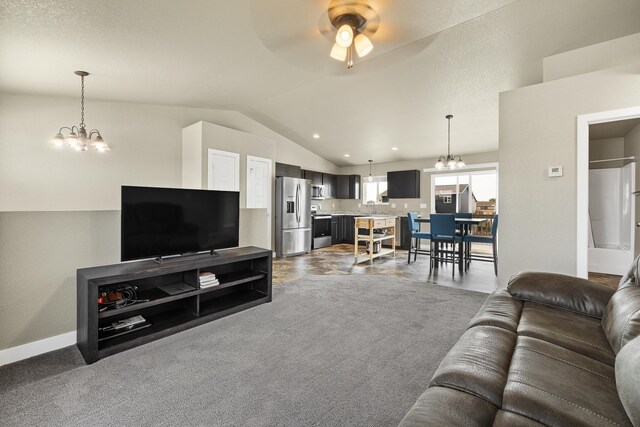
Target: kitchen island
point(378, 229)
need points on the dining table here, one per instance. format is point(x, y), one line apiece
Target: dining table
point(465, 226)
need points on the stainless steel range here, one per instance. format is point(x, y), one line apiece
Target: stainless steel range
point(321, 229)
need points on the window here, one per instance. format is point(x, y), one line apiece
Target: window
point(375, 192)
point(472, 191)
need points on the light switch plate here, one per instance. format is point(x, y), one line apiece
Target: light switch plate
point(554, 171)
point(423, 206)
point(406, 205)
point(393, 205)
point(359, 205)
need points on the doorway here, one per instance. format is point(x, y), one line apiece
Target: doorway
point(602, 126)
point(259, 173)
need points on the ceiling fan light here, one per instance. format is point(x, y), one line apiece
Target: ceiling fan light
point(344, 38)
point(338, 52)
point(363, 45)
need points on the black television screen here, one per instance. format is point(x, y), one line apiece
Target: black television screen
point(169, 221)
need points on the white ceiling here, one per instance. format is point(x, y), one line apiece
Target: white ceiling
point(269, 60)
point(616, 129)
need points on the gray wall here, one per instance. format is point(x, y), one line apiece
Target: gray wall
point(632, 148)
point(59, 209)
point(538, 130)
point(608, 148)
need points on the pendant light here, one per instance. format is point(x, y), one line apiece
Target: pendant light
point(77, 137)
point(449, 161)
point(370, 177)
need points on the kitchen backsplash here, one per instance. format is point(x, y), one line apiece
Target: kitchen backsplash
point(402, 206)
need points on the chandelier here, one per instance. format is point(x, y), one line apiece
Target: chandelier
point(449, 161)
point(350, 19)
point(76, 137)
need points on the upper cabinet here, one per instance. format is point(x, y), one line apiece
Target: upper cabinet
point(314, 177)
point(291, 171)
point(348, 187)
point(330, 184)
point(403, 184)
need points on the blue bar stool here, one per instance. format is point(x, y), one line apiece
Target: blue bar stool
point(463, 229)
point(414, 229)
point(470, 238)
point(443, 230)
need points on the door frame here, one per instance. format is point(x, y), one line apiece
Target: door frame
point(210, 153)
point(582, 179)
point(270, 198)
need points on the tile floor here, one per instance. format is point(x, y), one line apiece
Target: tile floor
point(338, 260)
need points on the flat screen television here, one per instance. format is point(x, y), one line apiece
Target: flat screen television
point(158, 222)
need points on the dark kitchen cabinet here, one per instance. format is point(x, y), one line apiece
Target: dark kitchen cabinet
point(314, 177)
point(330, 184)
point(291, 171)
point(403, 184)
point(348, 187)
point(335, 230)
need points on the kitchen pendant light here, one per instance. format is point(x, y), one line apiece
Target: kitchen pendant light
point(370, 177)
point(449, 161)
point(77, 137)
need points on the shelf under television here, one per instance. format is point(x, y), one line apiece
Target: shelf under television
point(171, 322)
point(157, 296)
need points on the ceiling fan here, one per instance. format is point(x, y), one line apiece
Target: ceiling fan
point(353, 22)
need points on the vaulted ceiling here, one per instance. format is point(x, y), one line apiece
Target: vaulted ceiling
point(269, 60)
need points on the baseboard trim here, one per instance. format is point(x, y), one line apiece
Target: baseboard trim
point(25, 351)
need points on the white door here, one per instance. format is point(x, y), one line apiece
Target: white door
point(223, 170)
point(259, 185)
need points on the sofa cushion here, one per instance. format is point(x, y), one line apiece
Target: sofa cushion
point(627, 379)
point(501, 310)
point(478, 363)
point(573, 331)
point(441, 406)
point(631, 276)
point(557, 386)
point(567, 292)
point(621, 321)
point(509, 419)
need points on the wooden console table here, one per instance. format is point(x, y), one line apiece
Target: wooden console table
point(371, 223)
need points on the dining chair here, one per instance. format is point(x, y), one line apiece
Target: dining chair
point(443, 230)
point(493, 239)
point(461, 230)
point(414, 229)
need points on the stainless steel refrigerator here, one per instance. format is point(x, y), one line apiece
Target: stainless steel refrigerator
point(293, 216)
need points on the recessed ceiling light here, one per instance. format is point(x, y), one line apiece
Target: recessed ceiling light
point(316, 136)
point(394, 148)
point(346, 155)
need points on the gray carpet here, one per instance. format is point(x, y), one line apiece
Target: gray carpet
point(329, 350)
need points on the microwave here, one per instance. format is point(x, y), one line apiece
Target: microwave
point(317, 192)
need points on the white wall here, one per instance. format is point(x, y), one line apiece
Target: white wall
point(597, 57)
point(538, 130)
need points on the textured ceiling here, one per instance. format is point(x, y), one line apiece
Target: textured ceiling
point(269, 60)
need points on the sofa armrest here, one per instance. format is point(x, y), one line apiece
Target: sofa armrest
point(567, 292)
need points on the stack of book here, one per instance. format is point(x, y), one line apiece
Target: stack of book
point(208, 279)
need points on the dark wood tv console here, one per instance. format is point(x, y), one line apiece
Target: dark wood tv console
point(245, 281)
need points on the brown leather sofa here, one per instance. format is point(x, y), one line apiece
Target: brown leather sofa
point(549, 350)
